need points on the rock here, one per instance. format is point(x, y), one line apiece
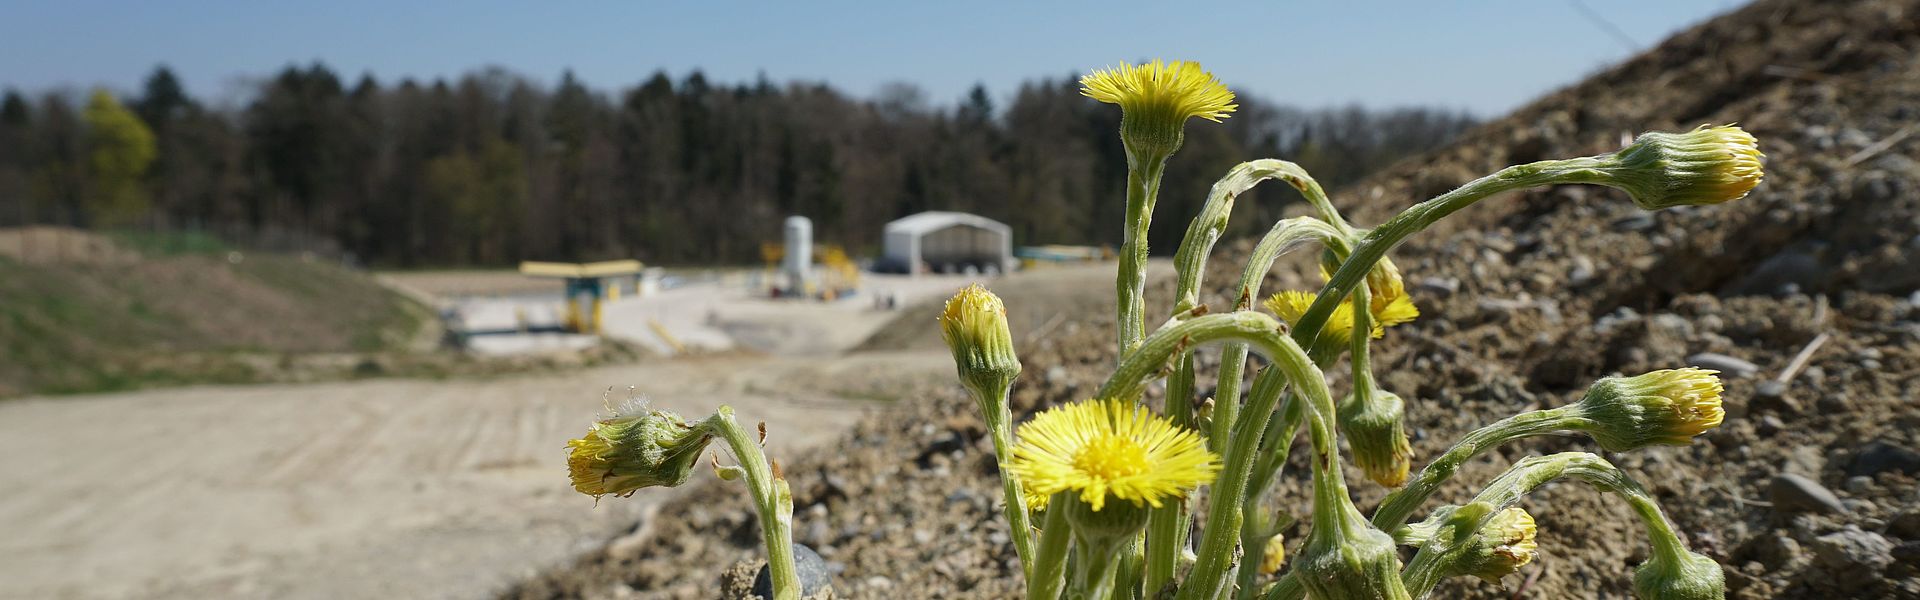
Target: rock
point(1850, 549)
point(879, 582)
point(1438, 286)
point(1908, 553)
point(1790, 492)
point(807, 566)
point(1582, 272)
point(1859, 483)
point(1726, 365)
point(1905, 525)
point(1638, 221)
point(1775, 551)
point(1880, 457)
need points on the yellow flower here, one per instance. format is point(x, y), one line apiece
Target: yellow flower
point(1178, 89)
point(1275, 556)
point(1103, 449)
point(1708, 165)
point(1290, 305)
point(1667, 407)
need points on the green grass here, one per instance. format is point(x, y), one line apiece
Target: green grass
point(185, 315)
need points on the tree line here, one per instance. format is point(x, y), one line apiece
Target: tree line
point(492, 167)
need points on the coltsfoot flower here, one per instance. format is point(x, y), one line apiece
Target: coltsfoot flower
point(1110, 450)
point(974, 325)
point(1667, 407)
point(1156, 99)
point(1708, 165)
point(1682, 576)
point(1290, 305)
point(635, 447)
point(1501, 547)
point(1376, 432)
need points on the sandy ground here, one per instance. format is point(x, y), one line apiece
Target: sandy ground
point(403, 488)
point(393, 488)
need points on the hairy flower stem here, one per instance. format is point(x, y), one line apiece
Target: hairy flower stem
point(1168, 525)
point(1399, 505)
point(1050, 557)
point(1000, 426)
point(770, 496)
point(1292, 368)
point(1418, 217)
point(1143, 189)
point(1275, 445)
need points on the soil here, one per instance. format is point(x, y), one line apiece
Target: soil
point(1526, 299)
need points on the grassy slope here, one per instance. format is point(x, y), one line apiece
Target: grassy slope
point(183, 314)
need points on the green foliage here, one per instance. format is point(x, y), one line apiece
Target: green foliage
point(120, 148)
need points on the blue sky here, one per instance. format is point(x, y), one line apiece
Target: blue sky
point(1484, 56)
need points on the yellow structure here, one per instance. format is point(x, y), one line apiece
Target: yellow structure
point(586, 283)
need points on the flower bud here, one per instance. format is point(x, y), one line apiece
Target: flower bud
point(637, 447)
point(1275, 555)
point(1666, 407)
point(1681, 576)
point(1501, 547)
point(1376, 432)
point(1360, 562)
point(1708, 165)
point(974, 326)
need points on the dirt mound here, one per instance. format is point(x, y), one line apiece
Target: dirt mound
point(1807, 490)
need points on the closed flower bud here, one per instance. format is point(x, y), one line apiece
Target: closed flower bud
point(1376, 431)
point(635, 448)
point(1682, 576)
point(974, 325)
point(1708, 165)
point(1667, 407)
point(1275, 555)
point(1360, 562)
point(1501, 547)
point(1111, 523)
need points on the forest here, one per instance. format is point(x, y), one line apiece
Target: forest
point(493, 167)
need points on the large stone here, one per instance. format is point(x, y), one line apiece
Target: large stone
point(1851, 549)
point(1880, 457)
point(807, 565)
point(1794, 493)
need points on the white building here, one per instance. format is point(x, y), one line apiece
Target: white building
point(947, 242)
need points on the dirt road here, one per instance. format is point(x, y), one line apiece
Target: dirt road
point(391, 488)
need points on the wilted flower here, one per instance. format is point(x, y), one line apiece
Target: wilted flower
point(1501, 547)
point(1667, 407)
point(1275, 555)
point(634, 448)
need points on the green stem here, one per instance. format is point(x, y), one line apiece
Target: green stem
point(1000, 427)
point(1275, 446)
point(1418, 217)
point(1093, 578)
point(770, 495)
point(1401, 504)
point(1050, 557)
point(1143, 189)
point(1167, 526)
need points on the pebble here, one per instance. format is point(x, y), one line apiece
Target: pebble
point(1790, 492)
point(1726, 365)
point(1858, 484)
point(1582, 272)
point(1880, 457)
point(1851, 548)
point(1638, 221)
point(807, 566)
point(1438, 286)
point(879, 582)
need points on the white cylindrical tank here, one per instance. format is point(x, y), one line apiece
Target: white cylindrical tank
point(799, 255)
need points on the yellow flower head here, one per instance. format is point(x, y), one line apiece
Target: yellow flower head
point(1708, 165)
point(1156, 99)
point(1179, 89)
point(1103, 449)
point(1666, 407)
point(634, 448)
point(1501, 547)
point(1290, 305)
